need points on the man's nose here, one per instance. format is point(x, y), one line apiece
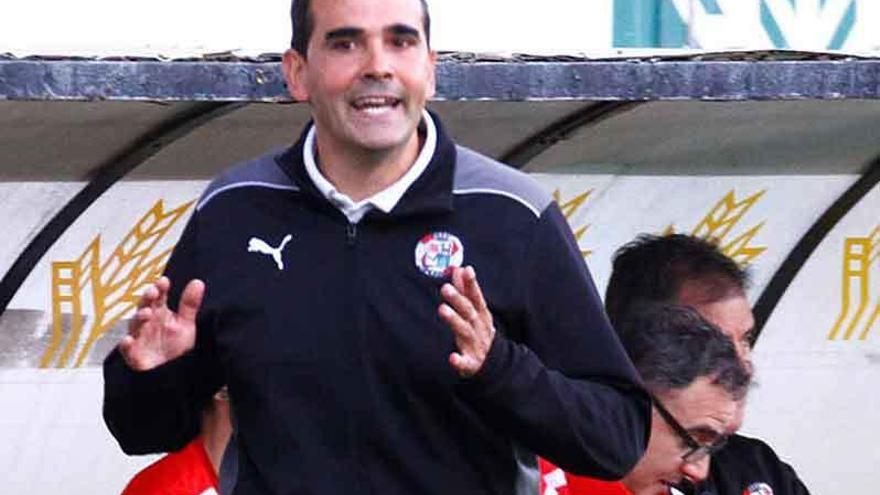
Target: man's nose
point(696, 471)
point(378, 64)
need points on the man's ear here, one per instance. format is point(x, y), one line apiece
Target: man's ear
point(432, 70)
point(293, 64)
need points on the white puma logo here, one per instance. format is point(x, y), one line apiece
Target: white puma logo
point(257, 245)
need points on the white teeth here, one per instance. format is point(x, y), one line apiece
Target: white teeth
point(374, 110)
point(374, 102)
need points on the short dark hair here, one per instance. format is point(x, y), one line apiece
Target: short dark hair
point(654, 268)
point(303, 24)
point(672, 345)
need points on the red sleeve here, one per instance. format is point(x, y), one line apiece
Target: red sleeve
point(555, 481)
point(186, 472)
point(552, 480)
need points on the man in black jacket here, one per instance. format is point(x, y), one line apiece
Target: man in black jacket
point(310, 281)
point(687, 270)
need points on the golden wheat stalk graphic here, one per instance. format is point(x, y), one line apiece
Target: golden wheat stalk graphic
point(569, 208)
point(873, 260)
point(115, 285)
point(721, 219)
point(859, 255)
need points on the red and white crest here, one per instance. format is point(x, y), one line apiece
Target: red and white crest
point(438, 253)
point(758, 489)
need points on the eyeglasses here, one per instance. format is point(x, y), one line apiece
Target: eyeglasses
point(696, 451)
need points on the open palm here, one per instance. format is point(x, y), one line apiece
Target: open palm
point(157, 334)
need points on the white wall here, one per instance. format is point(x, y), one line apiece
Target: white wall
point(194, 27)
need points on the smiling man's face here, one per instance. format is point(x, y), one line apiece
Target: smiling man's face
point(367, 73)
point(705, 410)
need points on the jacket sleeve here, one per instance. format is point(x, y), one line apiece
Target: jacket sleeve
point(160, 410)
point(564, 389)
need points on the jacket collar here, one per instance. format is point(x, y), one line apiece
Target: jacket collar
point(430, 193)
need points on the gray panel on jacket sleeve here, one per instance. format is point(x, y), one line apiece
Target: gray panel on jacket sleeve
point(262, 171)
point(478, 174)
point(527, 472)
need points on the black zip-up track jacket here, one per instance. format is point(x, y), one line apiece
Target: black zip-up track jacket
point(337, 361)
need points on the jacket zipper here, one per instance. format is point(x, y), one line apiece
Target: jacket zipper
point(351, 234)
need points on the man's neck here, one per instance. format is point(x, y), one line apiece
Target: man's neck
point(215, 431)
point(360, 175)
point(627, 483)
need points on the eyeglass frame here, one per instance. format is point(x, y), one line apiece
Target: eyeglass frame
point(696, 451)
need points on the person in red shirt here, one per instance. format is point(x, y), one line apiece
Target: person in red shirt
point(696, 378)
point(193, 469)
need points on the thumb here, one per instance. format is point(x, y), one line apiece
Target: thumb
point(462, 364)
point(191, 300)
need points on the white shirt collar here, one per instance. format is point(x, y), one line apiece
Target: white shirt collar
point(386, 199)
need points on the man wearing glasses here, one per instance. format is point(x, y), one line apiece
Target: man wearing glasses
point(683, 269)
point(696, 379)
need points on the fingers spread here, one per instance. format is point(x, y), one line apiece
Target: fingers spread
point(126, 349)
point(472, 289)
point(467, 314)
point(141, 316)
point(191, 300)
point(144, 314)
point(163, 285)
point(462, 328)
point(151, 293)
point(457, 278)
point(461, 304)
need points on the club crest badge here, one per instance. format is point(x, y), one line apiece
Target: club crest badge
point(437, 253)
point(758, 489)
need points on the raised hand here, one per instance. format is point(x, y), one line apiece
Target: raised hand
point(157, 334)
point(466, 313)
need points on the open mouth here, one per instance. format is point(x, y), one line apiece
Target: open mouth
point(680, 487)
point(375, 104)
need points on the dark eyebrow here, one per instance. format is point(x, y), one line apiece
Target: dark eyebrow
point(404, 30)
point(343, 32)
